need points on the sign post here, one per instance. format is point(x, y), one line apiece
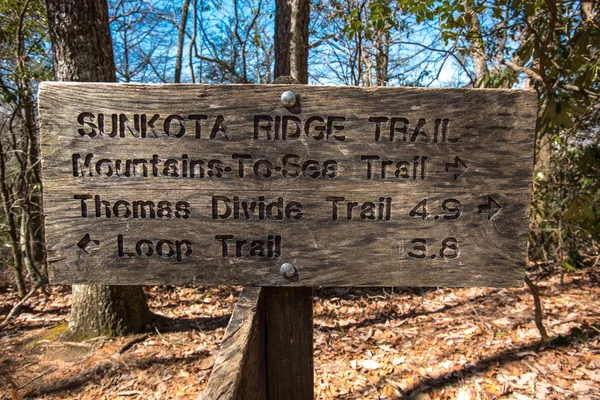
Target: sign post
point(284, 185)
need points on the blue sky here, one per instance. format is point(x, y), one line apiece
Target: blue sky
point(151, 34)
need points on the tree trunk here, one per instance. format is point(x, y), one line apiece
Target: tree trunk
point(81, 42)
point(291, 39)
point(382, 50)
point(12, 226)
point(32, 271)
point(193, 41)
point(31, 184)
point(108, 310)
point(475, 39)
point(180, 37)
point(82, 50)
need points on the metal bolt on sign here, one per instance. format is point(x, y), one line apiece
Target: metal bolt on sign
point(288, 270)
point(288, 99)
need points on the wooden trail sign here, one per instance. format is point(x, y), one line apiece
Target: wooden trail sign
point(223, 184)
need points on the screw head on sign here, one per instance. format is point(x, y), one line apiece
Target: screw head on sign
point(288, 99)
point(288, 270)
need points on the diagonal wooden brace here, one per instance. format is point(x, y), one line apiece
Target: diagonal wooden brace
point(267, 351)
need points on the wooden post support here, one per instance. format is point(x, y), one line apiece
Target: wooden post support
point(289, 347)
point(267, 351)
point(239, 372)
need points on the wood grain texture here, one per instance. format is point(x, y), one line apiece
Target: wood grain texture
point(476, 181)
point(289, 334)
point(239, 372)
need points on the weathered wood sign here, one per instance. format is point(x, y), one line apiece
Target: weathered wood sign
point(214, 184)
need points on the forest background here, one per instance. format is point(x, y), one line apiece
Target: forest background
point(550, 46)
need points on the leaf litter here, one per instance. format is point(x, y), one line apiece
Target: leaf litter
point(369, 343)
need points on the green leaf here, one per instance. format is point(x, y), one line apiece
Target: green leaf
point(468, 19)
point(356, 25)
point(569, 266)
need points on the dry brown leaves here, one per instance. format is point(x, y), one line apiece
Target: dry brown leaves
point(369, 344)
point(469, 343)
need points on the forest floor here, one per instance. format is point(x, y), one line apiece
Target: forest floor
point(471, 343)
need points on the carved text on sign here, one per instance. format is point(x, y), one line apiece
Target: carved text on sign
point(209, 184)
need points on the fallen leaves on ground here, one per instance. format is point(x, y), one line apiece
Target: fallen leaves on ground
point(467, 344)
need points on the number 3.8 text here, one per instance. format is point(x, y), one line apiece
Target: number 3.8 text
point(419, 249)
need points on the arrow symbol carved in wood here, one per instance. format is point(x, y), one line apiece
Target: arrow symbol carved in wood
point(84, 243)
point(458, 167)
point(491, 208)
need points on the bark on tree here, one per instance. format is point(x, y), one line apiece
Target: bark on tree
point(291, 39)
point(193, 42)
point(82, 51)
point(477, 46)
point(32, 198)
point(180, 37)
point(108, 310)
point(382, 51)
point(12, 225)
